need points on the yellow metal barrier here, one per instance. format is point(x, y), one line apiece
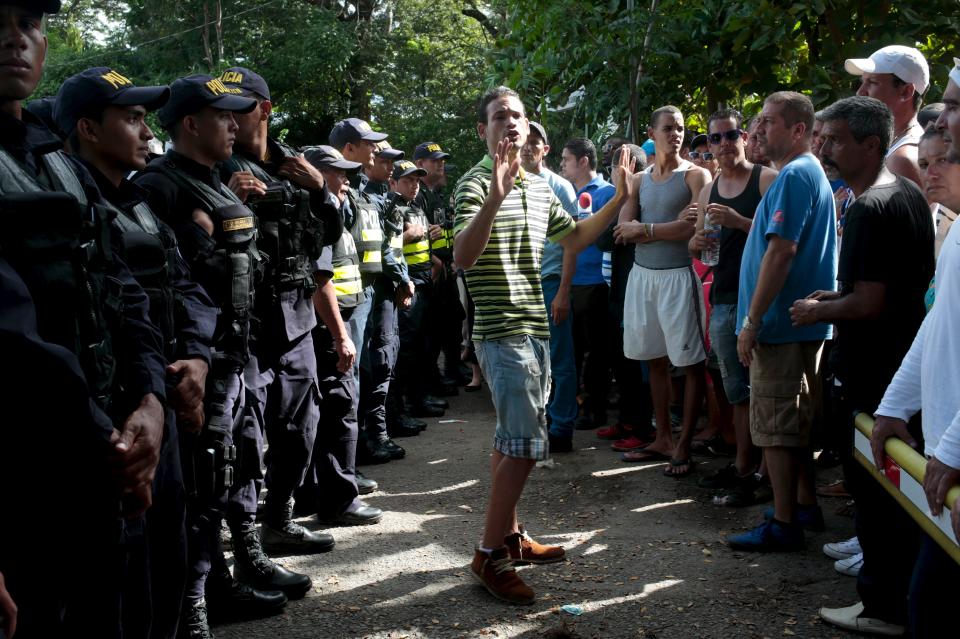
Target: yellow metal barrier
point(903, 479)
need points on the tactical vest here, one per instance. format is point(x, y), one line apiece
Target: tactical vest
point(228, 264)
point(150, 253)
point(417, 252)
point(346, 272)
point(436, 212)
point(60, 245)
point(367, 232)
point(393, 227)
point(290, 236)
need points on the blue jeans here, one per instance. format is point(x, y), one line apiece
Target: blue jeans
point(562, 408)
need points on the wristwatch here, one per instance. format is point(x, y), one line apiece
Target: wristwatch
point(748, 325)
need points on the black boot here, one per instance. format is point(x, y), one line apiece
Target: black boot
point(229, 600)
point(254, 568)
point(193, 621)
point(281, 535)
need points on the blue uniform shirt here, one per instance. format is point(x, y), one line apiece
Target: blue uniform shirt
point(798, 207)
point(590, 260)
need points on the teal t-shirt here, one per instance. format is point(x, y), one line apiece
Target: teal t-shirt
point(798, 207)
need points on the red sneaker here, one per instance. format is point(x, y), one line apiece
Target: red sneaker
point(617, 431)
point(631, 442)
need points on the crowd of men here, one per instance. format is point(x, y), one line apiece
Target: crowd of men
point(235, 315)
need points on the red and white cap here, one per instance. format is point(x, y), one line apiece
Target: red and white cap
point(906, 63)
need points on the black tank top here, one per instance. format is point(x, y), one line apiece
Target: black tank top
point(726, 274)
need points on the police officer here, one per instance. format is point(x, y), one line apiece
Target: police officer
point(412, 370)
point(217, 235)
point(91, 318)
point(386, 282)
point(101, 113)
point(445, 317)
point(332, 487)
point(295, 220)
point(379, 175)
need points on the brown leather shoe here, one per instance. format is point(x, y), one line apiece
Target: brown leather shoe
point(497, 574)
point(524, 550)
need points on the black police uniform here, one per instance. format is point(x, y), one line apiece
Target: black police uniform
point(187, 318)
point(380, 343)
point(59, 239)
point(412, 371)
point(444, 318)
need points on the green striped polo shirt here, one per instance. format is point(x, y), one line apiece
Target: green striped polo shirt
point(505, 281)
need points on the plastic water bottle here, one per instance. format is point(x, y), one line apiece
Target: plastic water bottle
point(711, 255)
point(584, 206)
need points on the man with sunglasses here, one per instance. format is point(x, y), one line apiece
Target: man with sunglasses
point(702, 154)
point(731, 201)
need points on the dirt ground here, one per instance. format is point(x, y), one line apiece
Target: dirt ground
point(646, 556)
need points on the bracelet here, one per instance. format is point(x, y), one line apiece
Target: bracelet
point(748, 325)
point(651, 230)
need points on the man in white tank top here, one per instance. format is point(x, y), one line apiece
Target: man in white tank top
point(898, 76)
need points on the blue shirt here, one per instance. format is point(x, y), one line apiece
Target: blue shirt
point(551, 263)
point(798, 207)
point(590, 260)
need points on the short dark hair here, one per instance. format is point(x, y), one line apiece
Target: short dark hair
point(917, 96)
point(930, 113)
point(636, 153)
point(726, 114)
point(93, 113)
point(797, 108)
point(932, 132)
point(655, 116)
point(582, 147)
point(493, 94)
point(865, 117)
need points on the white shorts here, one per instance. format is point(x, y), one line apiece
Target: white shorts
point(663, 316)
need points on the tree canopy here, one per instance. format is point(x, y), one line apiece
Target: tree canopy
point(414, 68)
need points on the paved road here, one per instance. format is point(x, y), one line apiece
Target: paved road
point(646, 557)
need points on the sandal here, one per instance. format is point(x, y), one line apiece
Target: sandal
point(671, 470)
point(642, 455)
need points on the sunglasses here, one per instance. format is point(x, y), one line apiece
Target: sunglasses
point(729, 136)
point(706, 156)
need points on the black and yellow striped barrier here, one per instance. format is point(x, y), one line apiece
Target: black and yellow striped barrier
point(903, 479)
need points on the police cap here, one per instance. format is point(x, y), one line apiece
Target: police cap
point(324, 156)
point(195, 92)
point(87, 92)
point(387, 152)
point(351, 131)
point(405, 168)
point(247, 81)
point(429, 150)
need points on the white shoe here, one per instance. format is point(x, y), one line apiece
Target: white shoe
point(849, 566)
point(843, 549)
point(851, 618)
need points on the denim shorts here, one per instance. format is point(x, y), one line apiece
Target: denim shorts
point(723, 342)
point(517, 369)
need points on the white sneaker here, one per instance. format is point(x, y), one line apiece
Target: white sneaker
point(843, 549)
point(849, 566)
point(851, 618)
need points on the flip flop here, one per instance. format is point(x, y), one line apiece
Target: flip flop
point(670, 471)
point(642, 455)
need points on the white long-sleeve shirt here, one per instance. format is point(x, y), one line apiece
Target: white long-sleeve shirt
point(929, 377)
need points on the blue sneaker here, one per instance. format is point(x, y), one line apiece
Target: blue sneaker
point(770, 536)
point(810, 517)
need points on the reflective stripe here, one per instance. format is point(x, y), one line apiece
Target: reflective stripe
point(396, 242)
point(348, 288)
point(347, 272)
point(371, 256)
point(417, 247)
point(417, 258)
point(440, 243)
point(371, 235)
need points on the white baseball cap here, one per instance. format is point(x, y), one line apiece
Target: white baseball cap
point(955, 71)
point(906, 63)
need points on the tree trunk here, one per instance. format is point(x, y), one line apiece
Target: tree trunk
point(219, 25)
point(205, 36)
point(635, 120)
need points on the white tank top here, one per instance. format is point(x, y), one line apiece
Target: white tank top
point(910, 136)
